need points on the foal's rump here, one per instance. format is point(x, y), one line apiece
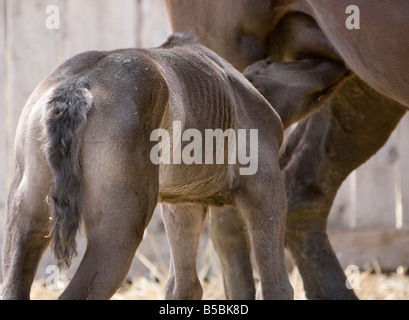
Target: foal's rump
point(92, 114)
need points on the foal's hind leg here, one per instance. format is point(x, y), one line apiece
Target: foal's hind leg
point(120, 193)
point(113, 233)
point(227, 232)
point(26, 228)
point(262, 203)
point(183, 223)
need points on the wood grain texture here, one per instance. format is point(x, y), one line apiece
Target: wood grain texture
point(403, 173)
point(3, 128)
point(368, 247)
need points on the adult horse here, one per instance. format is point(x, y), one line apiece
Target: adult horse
point(327, 146)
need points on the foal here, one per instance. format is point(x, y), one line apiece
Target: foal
point(88, 150)
point(84, 153)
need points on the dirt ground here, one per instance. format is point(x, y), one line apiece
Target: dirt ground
point(372, 287)
point(373, 284)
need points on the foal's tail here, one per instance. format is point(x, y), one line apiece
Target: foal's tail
point(65, 118)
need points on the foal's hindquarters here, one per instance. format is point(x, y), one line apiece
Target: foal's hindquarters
point(83, 154)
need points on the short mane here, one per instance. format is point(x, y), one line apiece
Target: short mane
point(180, 39)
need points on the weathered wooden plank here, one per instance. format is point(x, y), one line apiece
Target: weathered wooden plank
point(33, 51)
point(363, 247)
point(99, 25)
point(403, 171)
point(155, 27)
point(117, 24)
point(81, 23)
point(375, 188)
point(3, 133)
point(7, 93)
point(342, 215)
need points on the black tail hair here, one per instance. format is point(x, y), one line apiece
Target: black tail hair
point(65, 119)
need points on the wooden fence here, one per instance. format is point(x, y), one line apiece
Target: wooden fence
point(370, 217)
point(369, 221)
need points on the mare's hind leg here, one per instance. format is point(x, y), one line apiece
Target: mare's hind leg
point(26, 227)
point(183, 224)
point(120, 195)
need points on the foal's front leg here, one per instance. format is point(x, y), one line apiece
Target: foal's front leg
point(183, 223)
